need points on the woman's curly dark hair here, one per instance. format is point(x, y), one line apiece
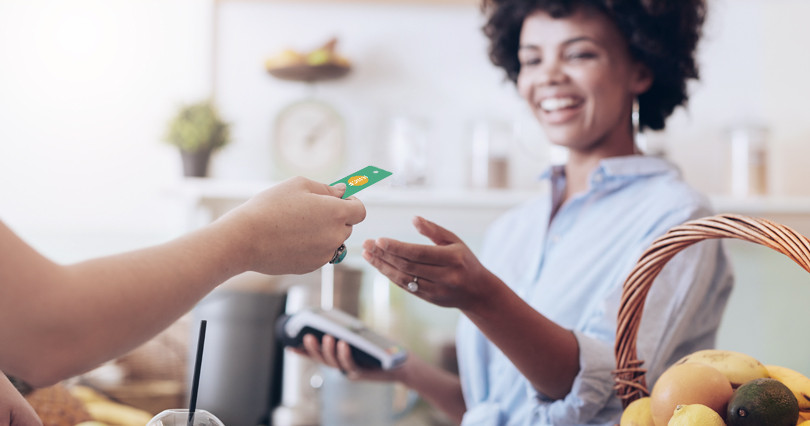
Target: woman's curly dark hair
point(662, 34)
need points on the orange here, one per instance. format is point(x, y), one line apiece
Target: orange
point(689, 383)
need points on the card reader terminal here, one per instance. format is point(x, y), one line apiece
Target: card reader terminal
point(369, 349)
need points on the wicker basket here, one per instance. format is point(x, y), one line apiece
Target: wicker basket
point(629, 378)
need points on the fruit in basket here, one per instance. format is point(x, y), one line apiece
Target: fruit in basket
point(689, 383)
point(638, 413)
point(763, 402)
point(319, 57)
point(797, 382)
point(738, 367)
point(285, 58)
point(695, 415)
point(325, 54)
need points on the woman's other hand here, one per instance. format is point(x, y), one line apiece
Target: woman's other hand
point(337, 354)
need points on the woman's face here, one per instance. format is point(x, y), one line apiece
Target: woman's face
point(579, 79)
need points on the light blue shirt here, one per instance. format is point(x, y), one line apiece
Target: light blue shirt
point(572, 269)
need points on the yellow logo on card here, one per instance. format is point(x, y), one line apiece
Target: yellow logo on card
point(358, 180)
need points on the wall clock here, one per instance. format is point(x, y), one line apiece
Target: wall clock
point(309, 139)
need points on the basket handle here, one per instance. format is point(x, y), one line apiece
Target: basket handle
point(630, 383)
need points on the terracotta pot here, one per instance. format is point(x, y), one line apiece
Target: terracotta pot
point(195, 164)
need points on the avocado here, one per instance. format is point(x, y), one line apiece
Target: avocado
point(763, 402)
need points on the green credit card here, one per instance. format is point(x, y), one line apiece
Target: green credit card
point(362, 179)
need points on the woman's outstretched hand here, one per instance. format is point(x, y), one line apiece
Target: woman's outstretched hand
point(446, 274)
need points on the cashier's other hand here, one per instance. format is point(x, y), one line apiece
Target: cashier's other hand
point(448, 273)
point(14, 409)
point(337, 354)
point(295, 226)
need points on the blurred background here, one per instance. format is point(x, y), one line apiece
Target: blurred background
point(87, 88)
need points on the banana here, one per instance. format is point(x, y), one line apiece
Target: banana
point(738, 367)
point(285, 58)
point(797, 382)
point(117, 414)
point(105, 411)
point(86, 394)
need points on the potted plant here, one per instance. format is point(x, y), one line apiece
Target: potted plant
point(197, 130)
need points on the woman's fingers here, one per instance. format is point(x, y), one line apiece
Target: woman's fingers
point(396, 275)
point(439, 235)
point(408, 268)
point(328, 350)
point(347, 364)
point(417, 253)
point(313, 348)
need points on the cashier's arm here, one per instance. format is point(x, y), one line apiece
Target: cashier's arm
point(450, 275)
point(61, 320)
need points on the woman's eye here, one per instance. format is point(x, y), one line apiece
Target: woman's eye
point(580, 55)
point(529, 61)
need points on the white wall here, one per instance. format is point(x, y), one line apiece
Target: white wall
point(86, 87)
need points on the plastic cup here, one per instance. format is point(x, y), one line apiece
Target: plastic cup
point(179, 417)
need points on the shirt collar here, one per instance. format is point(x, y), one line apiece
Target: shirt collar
point(626, 166)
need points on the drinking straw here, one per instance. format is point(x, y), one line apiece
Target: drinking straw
point(195, 383)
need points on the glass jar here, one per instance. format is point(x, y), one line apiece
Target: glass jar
point(489, 155)
point(749, 160)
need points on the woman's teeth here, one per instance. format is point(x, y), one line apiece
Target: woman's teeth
point(554, 104)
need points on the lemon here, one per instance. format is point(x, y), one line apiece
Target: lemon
point(695, 415)
point(638, 413)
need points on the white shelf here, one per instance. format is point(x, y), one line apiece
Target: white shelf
point(207, 189)
point(762, 205)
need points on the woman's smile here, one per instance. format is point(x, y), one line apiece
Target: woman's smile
point(560, 109)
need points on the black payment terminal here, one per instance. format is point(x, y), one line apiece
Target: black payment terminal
point(369, 349)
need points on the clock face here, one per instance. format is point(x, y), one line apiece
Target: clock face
point(309, 139)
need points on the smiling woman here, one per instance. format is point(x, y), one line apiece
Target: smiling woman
point(535, 338)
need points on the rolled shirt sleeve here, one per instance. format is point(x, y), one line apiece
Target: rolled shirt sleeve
point(592, 399)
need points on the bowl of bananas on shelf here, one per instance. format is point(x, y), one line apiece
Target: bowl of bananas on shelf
point(321, 63)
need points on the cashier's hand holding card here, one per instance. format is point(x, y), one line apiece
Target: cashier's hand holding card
point(293, 227)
